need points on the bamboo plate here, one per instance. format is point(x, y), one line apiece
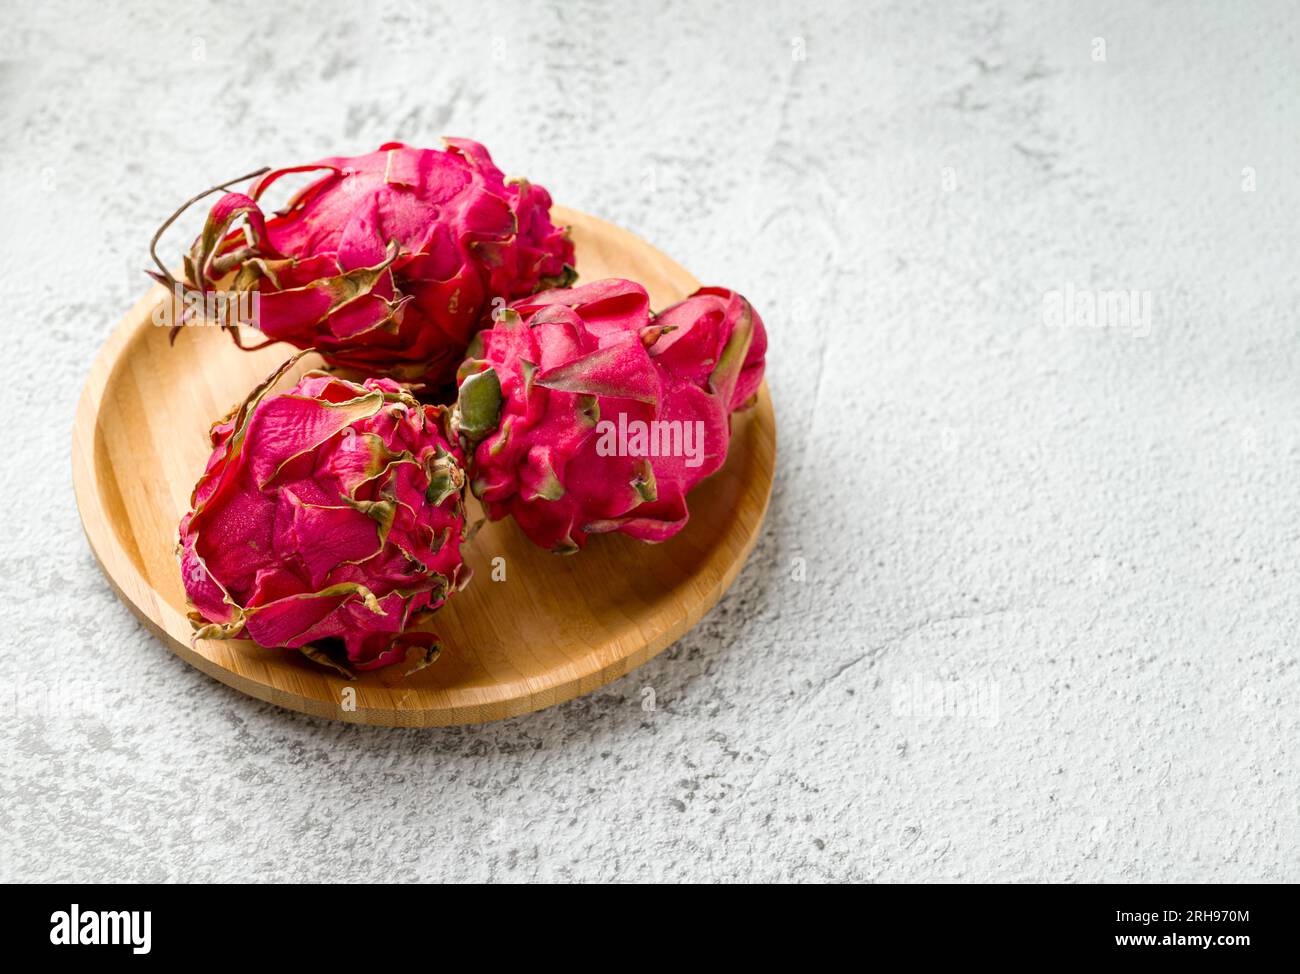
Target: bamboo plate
point(554, 628)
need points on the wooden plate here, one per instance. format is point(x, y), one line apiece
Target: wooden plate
point(556, 627)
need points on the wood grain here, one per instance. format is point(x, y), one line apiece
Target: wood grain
point(555, 628)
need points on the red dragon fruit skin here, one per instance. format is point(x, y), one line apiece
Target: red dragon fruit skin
point(329, 519)
point(388, 263)
point(552, 396)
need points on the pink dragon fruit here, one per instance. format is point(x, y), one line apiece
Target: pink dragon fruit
point(584, 414)
point(390, 262)
point(329, 519)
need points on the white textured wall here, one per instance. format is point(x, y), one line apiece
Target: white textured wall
point(1091, 535)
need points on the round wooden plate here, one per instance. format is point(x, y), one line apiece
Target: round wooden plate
point(554, 628)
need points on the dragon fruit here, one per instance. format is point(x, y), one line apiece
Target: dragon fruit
point(387, 264)
point(584, 414)
point(329, 519)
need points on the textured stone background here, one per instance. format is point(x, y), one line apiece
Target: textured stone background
point(1086, 537)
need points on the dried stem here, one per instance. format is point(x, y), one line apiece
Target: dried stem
point(153, 244)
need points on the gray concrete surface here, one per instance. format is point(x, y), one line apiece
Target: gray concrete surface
point(1026, 604)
